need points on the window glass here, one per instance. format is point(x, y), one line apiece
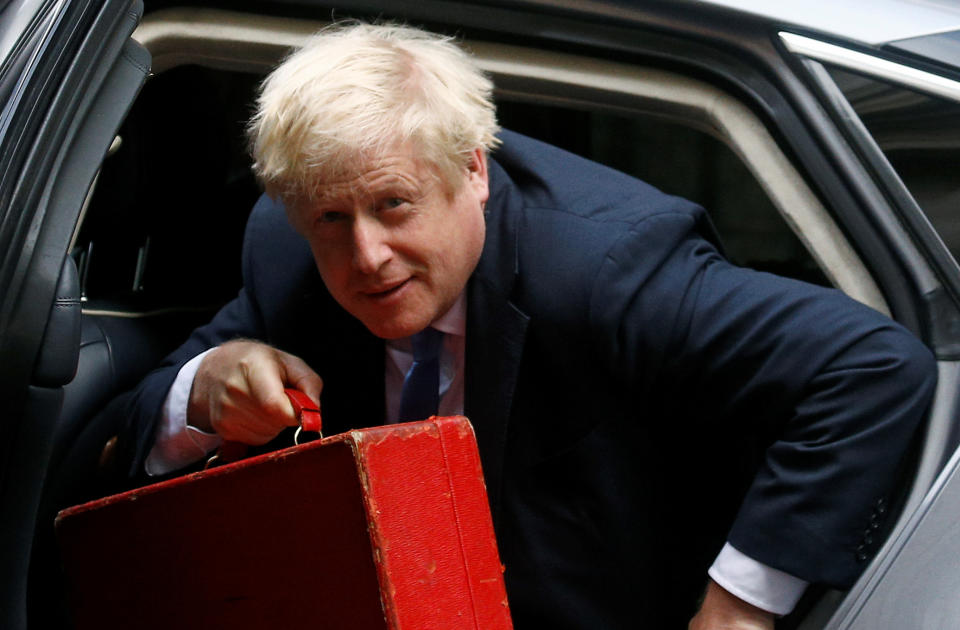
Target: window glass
point(166, 220)
point(920, 136)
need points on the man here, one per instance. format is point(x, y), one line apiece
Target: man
point(590, 330)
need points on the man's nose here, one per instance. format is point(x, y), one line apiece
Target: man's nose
point(371, 249)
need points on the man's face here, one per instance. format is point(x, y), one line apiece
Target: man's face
point(394, 247)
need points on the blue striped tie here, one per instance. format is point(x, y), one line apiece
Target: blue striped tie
point(420, 396)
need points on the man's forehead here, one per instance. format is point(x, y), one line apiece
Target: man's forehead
point(395, 169)
point(371, 180)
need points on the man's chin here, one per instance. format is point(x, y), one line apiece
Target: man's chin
point(395, 329)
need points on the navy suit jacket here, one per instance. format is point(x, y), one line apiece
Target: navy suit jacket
point(627, 386)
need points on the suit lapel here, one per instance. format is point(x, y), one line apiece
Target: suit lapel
point(496, 330)
point(495, 336)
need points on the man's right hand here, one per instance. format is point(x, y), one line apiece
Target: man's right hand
point(238, 391)
point(722, 610)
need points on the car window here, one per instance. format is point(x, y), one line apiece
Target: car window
point(165, 222)
point(920, 136)
point(680, 135)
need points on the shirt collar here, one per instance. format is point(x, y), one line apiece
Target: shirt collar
point(454, 321)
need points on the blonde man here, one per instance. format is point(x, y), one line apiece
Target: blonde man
point(583, 320)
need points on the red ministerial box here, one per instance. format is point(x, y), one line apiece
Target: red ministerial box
point(387, 527)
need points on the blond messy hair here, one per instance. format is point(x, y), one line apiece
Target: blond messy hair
point(355, 91)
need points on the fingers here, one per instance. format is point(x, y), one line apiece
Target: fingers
point(238, 391)
point(264, 385)
point(297, 374)
point(722, 609)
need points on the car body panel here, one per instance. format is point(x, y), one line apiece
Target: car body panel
point(942, 48)
point(916, 582)
point(855, 20)
point(57, 128)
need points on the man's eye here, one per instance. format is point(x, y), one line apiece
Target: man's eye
point(330, 217)
point(394, 202)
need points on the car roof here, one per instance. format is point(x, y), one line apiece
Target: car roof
point(874, 22)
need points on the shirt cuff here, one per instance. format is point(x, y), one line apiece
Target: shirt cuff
point(176, 443)
point(755, 583)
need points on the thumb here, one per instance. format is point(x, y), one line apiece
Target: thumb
point(297, 374)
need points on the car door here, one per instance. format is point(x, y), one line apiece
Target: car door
point(898, 109)
point(68, 75)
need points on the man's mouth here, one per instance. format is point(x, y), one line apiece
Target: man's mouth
point(386, 290)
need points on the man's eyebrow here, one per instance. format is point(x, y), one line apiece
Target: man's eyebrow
point(392, 187)
point(328, 198)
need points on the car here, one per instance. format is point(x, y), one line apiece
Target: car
point(822, 137)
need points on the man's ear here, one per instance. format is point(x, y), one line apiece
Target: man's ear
point(477, 174)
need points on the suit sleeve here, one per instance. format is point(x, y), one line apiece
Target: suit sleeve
point(839, 387)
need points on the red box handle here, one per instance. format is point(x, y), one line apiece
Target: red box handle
point(307, 412)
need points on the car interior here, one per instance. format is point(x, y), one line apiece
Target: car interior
point(158, 246)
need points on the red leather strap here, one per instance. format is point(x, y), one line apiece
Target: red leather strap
point(307, 412)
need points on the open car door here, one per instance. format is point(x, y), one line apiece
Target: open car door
point(69, 73)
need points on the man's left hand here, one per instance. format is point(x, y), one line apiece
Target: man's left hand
point(721, 610)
